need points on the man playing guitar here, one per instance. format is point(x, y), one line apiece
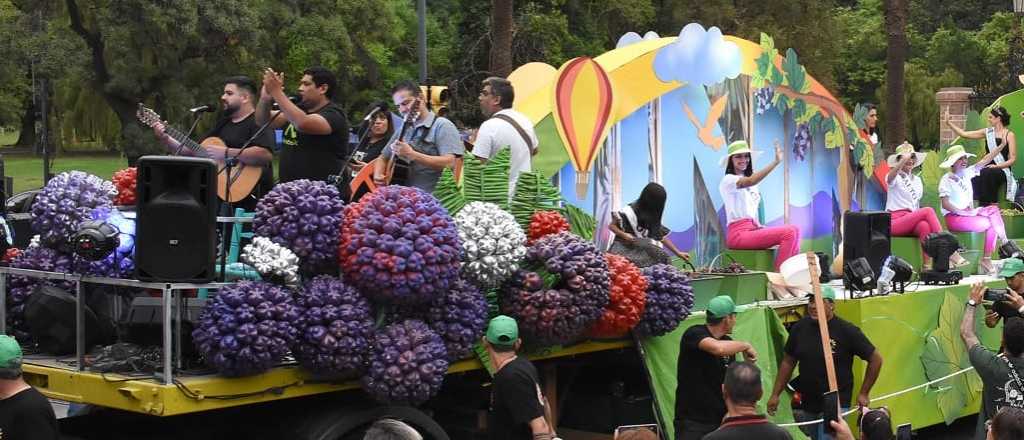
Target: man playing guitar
point(234, 128)
point(432, 144)
point(317, 131)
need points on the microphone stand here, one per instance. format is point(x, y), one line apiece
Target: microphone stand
point(230, 161)
point(195, 123)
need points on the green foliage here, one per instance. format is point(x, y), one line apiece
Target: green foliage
point(533, 193)
point(920, 87)
point(944, 354)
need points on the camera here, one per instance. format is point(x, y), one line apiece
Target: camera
point(996, 295)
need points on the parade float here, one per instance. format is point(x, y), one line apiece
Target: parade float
point(390, 295)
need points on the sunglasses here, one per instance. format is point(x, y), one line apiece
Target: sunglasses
point(868, 411)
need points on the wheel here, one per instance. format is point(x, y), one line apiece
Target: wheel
point(351, 423)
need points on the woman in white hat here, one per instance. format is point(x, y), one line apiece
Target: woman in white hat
point(957, 197)
point(903, 201)
point(741, 198)
point(1000, 139)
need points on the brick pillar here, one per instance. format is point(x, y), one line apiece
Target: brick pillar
point(956, 102)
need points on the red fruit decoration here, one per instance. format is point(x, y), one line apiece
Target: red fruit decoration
point(627, 296)
point(11, 254)
point(545, 223)
point(124, 181)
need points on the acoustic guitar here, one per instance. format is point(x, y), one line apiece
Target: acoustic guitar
point(244, 178)
point(397, 171)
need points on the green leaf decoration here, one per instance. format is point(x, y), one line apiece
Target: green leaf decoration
point(580, 223)
point(776, 77)
point(448, 192)
point(768, 44)
point(931, 173)
point(533, 193)
point(944, 353)
point(796, 75)
point(860, 115)
point(815, 121)
point(834, 136)
point(799, 111)
point(810, 112)
point(486, 182)
point(782, 102)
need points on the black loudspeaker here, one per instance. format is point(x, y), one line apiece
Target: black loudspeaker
point(175, 236)
point(50, 314)
point(866, 234)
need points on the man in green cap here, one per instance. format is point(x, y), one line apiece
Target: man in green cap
point(803, 348)
point(24, 412)
point(518, 408)
point(1000, 373)
point(705, 351)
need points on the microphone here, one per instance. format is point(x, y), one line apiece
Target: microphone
point(201, 109)
point(380, 107)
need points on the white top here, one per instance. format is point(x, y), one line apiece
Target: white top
point(740, 203)
point(495, 134)
point(958, 189)
point(905, 192)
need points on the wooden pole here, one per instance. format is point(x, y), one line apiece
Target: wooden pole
point(819, 305)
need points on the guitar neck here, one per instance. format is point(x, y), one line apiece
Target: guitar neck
point(184, 140)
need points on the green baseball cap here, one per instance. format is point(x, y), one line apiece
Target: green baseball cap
point(10, 352)
point(721, 306)
point(502, 330)
point(1011, 267)
point(827, 292)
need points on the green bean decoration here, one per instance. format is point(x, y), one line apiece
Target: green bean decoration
point(533, 193)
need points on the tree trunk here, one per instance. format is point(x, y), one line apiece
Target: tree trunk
point(501, 37)
point(27, 135)
point(895, 57)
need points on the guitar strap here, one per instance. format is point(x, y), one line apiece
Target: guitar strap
point(526, 138)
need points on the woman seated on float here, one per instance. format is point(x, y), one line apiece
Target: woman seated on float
point(999, 138)
point(639, 235)
point(957, 197)
point(741, 198)
point(909, 219)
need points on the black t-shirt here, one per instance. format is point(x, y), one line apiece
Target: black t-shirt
point(748, 428)
point(804, 344)
point(515, 401)
point(700, 376)
point(27, 416)
point(314, 156)
point(234, 135)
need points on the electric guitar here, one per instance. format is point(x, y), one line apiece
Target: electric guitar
point(397, 171)
point(243, 177)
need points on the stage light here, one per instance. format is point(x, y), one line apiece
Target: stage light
point(94, 240)
point(940, 246)
point(858, 276)
point(1010, 250)
point(896, 272)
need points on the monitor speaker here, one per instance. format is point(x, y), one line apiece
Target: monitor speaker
point(866, 234)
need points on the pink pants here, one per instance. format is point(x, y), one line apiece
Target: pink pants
point(989, 220)
point(920, 223)
point(745, 234)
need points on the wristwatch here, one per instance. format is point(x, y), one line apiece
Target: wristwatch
point(971, 303)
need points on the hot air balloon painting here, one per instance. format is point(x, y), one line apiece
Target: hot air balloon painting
point(584, 101)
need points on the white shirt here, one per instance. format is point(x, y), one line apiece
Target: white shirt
point(958, 189)
point(905, 192)
point(495, 134)
point(740, 203)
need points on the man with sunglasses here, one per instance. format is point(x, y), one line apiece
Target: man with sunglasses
point(1000, 373)
point(803, 348)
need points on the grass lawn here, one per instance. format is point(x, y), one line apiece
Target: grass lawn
point(27, 171)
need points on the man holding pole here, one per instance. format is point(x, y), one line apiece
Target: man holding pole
point(820, 374)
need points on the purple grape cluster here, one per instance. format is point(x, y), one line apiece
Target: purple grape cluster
point(407, 364)
point(66, 201)
point(20, 287)
point(669, 300)
point(334, 328)
point(459, 317)
point(400, 246)
point(560, 292)
point(764, 97)
point(247, 328)
point(304, 216)
point(802, 141)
